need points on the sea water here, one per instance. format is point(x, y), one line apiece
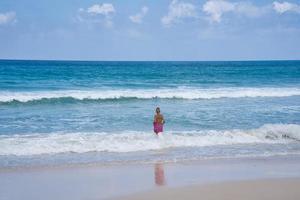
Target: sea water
point(67, 112)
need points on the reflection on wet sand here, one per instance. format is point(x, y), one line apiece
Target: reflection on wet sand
point(159, 174)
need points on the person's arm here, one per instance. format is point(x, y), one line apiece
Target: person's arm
point(154, 120)
point(163, 119)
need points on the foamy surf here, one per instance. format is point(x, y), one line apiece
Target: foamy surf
point(132, 141)
point(180, 93)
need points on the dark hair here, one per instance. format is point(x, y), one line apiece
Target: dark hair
point(157, 110)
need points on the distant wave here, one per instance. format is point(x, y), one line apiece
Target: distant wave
point(27, 145)
point(179, 93)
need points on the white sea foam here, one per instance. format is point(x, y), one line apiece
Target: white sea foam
point(25, 145)
point(183, 93)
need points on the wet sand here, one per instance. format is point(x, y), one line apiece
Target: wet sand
point(274, 189)
point(251, 176)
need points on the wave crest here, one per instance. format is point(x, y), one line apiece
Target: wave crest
point(180, 93)
point(27, 145)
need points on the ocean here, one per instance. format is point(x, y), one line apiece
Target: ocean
point(76, 112)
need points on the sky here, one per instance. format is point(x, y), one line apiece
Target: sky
point(150, 30)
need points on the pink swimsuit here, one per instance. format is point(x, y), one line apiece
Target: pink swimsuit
point(158, 127)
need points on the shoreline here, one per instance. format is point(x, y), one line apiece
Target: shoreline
point(208, 160)
point(110, 182)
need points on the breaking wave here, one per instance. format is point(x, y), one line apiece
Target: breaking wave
point(132, 141)
point(179, 93)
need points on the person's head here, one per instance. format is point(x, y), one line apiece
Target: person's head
point(157, 110)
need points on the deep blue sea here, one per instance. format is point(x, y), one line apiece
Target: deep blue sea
point(66, 112)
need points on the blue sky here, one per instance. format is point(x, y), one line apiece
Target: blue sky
point(150, 30)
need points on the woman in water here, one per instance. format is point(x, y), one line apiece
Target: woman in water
point(158, 121)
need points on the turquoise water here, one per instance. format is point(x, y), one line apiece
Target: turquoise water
point(55, 112)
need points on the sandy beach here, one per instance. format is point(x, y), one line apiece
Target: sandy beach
point(243, 178)
point(275, 189)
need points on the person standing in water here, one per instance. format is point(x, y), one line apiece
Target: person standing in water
point(158, 121)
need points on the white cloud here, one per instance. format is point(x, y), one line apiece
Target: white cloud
point(138, 18)
point(285, 7)
point(177, 11)
point(97, 13)
point(104, 9)
point(215, 9)
point(8, 17)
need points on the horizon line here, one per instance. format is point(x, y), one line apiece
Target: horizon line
point(77, 60)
